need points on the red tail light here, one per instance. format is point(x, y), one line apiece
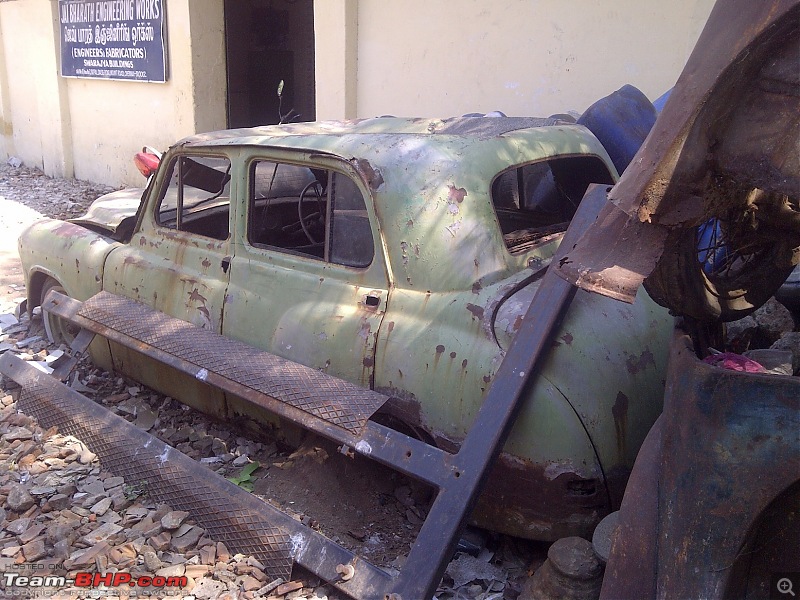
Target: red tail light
point(146, 162)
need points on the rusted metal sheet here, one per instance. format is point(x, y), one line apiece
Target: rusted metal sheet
point(229, 513)
point(734, 113)
point(726, 447)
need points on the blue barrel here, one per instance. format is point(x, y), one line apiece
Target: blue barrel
point(621, 121)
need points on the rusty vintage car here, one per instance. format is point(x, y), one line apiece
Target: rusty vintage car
point(399, 255)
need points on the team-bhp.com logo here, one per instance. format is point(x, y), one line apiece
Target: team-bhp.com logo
point(91, 580)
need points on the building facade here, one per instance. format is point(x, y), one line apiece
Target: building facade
point(337, 58)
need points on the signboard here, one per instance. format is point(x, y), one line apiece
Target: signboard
point(113, 39)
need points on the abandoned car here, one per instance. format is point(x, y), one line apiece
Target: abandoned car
point(399, 255)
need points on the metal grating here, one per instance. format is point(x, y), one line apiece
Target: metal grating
point(229, 514)
point(329, 398)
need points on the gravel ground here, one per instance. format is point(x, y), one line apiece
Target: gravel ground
point(61, 513)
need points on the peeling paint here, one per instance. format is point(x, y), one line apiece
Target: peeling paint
point(477, 311)
point(363, 447)
point(455, 194)
point(635, 364)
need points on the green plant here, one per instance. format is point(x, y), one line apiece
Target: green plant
point(245, 479)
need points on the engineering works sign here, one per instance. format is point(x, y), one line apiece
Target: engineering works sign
point(113, 39)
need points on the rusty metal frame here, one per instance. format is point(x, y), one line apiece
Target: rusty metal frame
point(457, 477)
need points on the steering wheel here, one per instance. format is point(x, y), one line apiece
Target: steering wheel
point(312, 217)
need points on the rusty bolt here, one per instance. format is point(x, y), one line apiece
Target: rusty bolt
point(345, 572)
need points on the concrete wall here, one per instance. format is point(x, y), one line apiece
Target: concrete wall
point(524, 57)
point(91, 128)
point(373, 57)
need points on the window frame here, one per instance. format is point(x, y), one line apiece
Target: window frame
point(330, 170)
point(177, 159)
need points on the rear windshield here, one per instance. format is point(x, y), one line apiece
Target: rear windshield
point(539, 199)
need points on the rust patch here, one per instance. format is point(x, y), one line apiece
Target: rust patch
point(390, 326)
point(142, 241)
point(452, 355)
point(77, 264)
point(455, 194)
point(518, 322)
point(368, 362)
point(567, 337)
point(371, 175)
point(477, 311)
point(620, 413)
point(476, 287)
point(439, 349)
point(206, 263)
point(487, 378)
point(564, 505)
point(464, 364)
point(635, 365)
point(196, 296)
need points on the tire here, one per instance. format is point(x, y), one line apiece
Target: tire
point(683, 283)
point(59, 331)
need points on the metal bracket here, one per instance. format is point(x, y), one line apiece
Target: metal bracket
point(77, 348)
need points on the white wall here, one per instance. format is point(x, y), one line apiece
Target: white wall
point(373, 57)
point(524, 57)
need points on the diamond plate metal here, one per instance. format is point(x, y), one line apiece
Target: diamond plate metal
point(329, 398)
point(229, 514)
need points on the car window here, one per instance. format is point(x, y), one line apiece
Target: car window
point(316, 213)
point(538, 199)
point(196, 196)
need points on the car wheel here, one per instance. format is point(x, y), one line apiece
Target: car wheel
point(59, 331)
point(726, 268)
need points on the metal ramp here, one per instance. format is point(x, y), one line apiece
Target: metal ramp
point(328, 406)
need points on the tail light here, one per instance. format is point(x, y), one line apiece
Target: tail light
point(147, 161)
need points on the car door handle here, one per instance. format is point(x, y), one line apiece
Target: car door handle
point(226, 263)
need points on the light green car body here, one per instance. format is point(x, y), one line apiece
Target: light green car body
point(427, 322)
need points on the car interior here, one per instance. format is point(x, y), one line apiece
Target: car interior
point(539, 199)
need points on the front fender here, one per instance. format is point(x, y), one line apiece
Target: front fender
point(72, 255)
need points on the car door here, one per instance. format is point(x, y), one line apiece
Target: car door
point(308, 278)
point(178, 260)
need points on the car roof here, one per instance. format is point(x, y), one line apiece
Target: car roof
point(478, 128)
point(457, 138)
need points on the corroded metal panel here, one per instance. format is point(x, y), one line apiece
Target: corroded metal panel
point(726, 447)
point(328, 398)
